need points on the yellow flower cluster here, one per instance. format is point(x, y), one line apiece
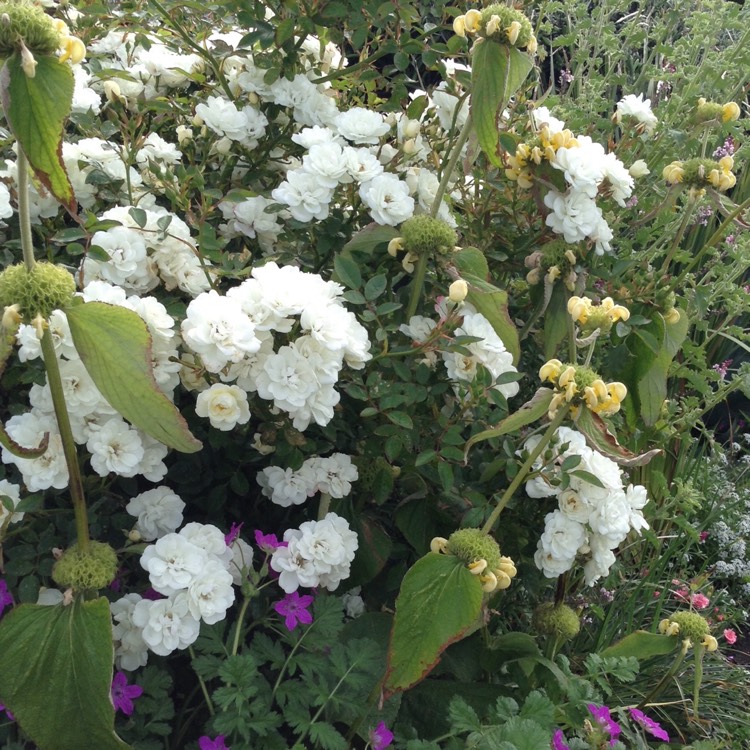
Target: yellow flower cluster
point(584, 311)
point(576, 384)
point(671, 628)
point(701, 172)
point(72, 47)
point(497, 579)
point(542, 148)
point(497, 22)
point(722, 177)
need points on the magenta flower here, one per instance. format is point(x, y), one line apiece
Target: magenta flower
point(206, 743)
point(7, 712)
point(293, 608)
point(381, 737)
point(604, 719)
point(268, 542)
point(234, 532)
point(123, 694)
point(651, 726)
point(558, 741)
point(6, 598)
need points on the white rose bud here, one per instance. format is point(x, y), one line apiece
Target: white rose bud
point(458, 290)
point(184, 134)
point(639, 169)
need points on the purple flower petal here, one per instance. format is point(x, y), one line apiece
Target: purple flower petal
point(293, 608)
point(651, 726)
point(206, 743)
point(123, 694)
point(381, 737)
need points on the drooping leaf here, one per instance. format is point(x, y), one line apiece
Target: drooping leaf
point(497, 72)
point(535, 408)
point(598, 436)
point(13, 447)
point(439, 602)
point(367, 239)
point(115, 346)
point(471, 260)
point(57, 674)
point(36, 109)
point(642, 645)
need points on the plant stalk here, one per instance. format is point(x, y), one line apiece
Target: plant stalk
point(667, 677)
point(24, 217)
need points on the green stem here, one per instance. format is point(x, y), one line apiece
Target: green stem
point(66, 434)
point(325, 505)
point(238, 631)
point(667, 677)
point(421, 270)
point(524, 470)
point(692, 202)
point(700, 652)
point(204, 689)
point(24, 217)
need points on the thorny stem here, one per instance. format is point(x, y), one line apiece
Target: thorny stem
point(524, 470)
point(24, 218)
point(66, 435)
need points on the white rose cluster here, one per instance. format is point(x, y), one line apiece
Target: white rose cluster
point(332, 475)
point(489, 351)
point(115, 446)
point(195, 571)
point(319, 553)
point(590, 520)
point(234, 336)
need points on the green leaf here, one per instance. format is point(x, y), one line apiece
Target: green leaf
point(439, 602)
point(36, 109)
point(347, 271)
point(369, 238)
point(497, 72)
point(532, 410)
point(555, 321)
point(642, 645)
point(115, 346)
point(57, 673)
point(470, 260)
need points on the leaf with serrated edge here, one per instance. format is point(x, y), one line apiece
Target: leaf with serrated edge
point(439, 603)
point(598, 436)
point(535, 408)
point(57, 673)
point(115, 347)
point(36, 109)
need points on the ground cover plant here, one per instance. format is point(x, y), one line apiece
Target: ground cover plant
point(373, 375)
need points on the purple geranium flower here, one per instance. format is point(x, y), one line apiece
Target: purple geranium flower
point(123, 694)
point(604, 719)
point(268, 542)
point(234, 532)
point(381, 737)
point(558, 741)
point(651, 726)
point(206, 743)
point(6, 598)
point(293, 608)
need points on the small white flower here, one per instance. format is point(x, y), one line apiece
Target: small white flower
point(131, 651)
point(159, 512)
point(361, 126)
point(388, 199)
point(115, 448)
point(225, 406)
point(166, 624)
point(210, 593)
point(172, 563)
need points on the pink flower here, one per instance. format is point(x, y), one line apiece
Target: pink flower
point(206, 743)
point(6, 598)
point(651, 726)
point(604, 719)
point(293, 608)
point(699, 601)
point(233, 533)
point(123, 694)
point(381, 737)
point(268, 542)
point(558, 741)
point(730, 636)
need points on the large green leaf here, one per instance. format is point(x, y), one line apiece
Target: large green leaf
point(57, 673)
point(652, 385)
point(439, 602)
point(642, 645)
point(497, 72)
point(535, 408)
point(556, 320)
point(115, 346)
point(36, 109)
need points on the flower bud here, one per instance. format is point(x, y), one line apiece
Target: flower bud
point(639, 169)
point(184, 134)
point(730, 111)
point(458, 290)
point(113, 92)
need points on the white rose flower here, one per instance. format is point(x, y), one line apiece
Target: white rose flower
point(295, 570)
point(210, 539)
point(225, 406)
point(116, 448)
point(166, 624)
point(305, 195)
point(602, 559)
point(388, 199)
point(285, 487)
point(611, 518)
point(210, 593)
point(159, 512)
point(131, 651)
point(13, 493)
point(361, 126)
point(639, 108)
point(361, 165)
point(559, 544)
point(326, 161)
point(172, 563)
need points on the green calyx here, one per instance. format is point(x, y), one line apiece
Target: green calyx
point(471, 545)
point(556, 620)
point(692, 625)
point(505, 18)
point(92, 569)
point(27, 23)
point(696, 171)
point(45, 288)
point(424, 235)
point(708, 112)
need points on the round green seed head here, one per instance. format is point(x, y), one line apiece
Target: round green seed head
point(507, 16)
point(471, 545)
point(94, 569)
point(692, 625)
point(24, 21)
point(696, 171)
point(423, 234)
point(46, 288)
point(558, 621)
